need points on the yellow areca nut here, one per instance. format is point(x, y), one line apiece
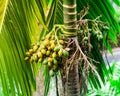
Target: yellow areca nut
point(48, 53)
point(48, 47)
point(52, 41)
point(50, 59)
point(60, 52)
point(54, 55)
point(31, 51)
point(40, 60)
point(42, 46)
point(46, 42)
point(34, 57)
point(35, 47)
point(39, 54)
point(28, 53)
point(43, 51)
point(26, 58)
point(53, 46)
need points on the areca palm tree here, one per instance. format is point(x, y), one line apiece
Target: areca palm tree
point(20, 23)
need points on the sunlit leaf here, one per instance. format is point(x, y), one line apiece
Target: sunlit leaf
point(117, 2)
point(3, 6)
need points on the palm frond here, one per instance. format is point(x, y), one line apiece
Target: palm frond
point(115, 78)
point(117, 2)
point(111, 87)
point(38, 6)
point(46, 80)
point(3, 6)
point(52, 17)
point(19, 27)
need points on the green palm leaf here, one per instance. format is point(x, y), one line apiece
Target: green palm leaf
point(3, 6)
point(18, 29)
point(117, 2)
point(38, 7)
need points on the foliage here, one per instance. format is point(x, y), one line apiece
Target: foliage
point(114, 28)
point(117, 2)
point(117, 16)
point(111, 87)
point(15, 34)
point(19, 22)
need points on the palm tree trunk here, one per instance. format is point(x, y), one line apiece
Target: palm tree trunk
point(70, 17)
point(72, 87)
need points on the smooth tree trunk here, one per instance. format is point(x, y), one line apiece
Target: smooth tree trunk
point(72, 87)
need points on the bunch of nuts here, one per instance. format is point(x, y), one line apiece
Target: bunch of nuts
point(48, 52)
